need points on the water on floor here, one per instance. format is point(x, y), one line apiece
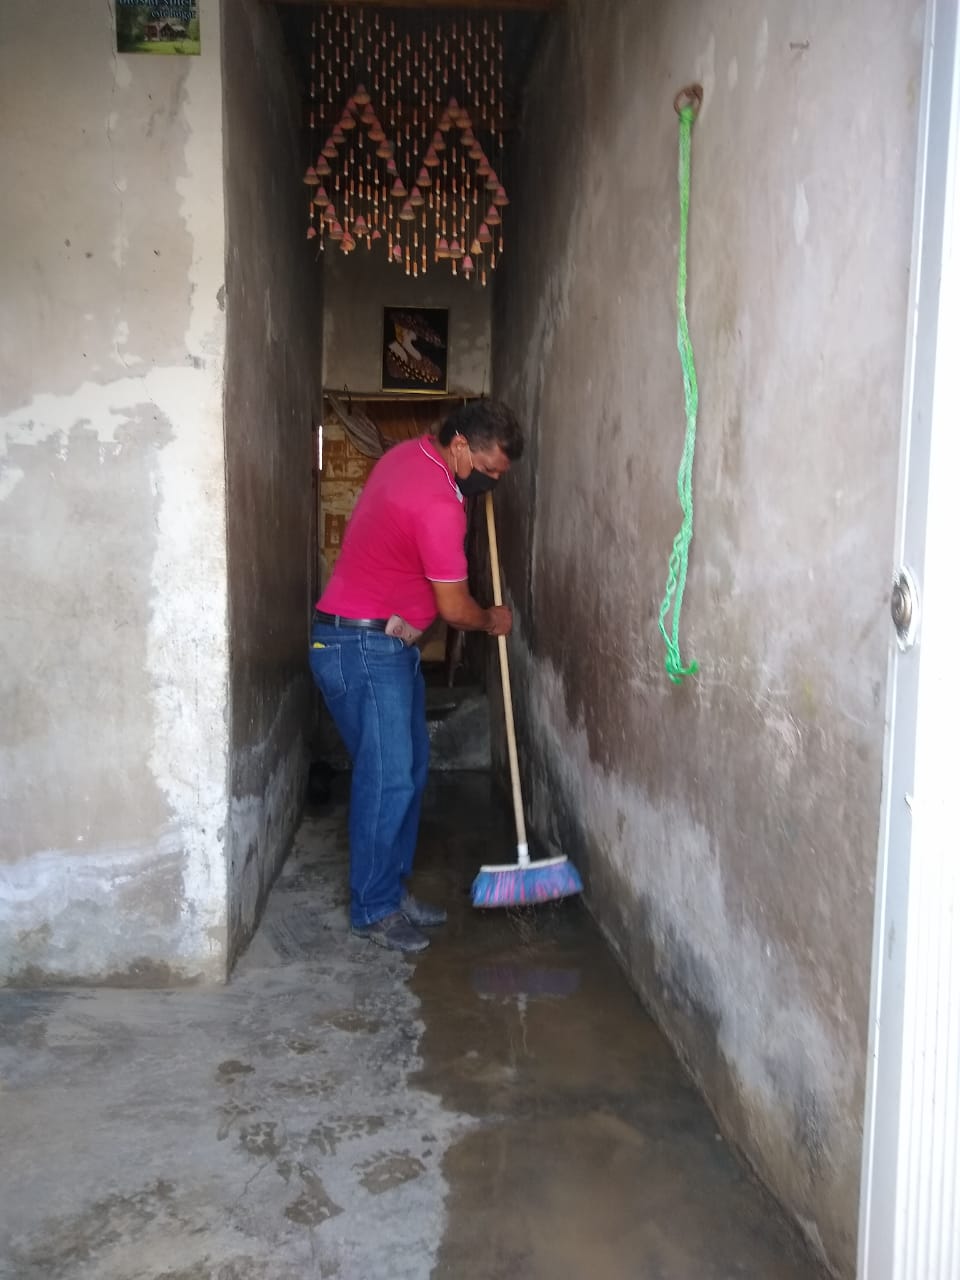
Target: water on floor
point(499, 1107)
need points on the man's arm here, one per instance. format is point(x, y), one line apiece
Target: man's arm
point(457, 607)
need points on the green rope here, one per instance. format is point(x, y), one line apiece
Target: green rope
point(677, 568)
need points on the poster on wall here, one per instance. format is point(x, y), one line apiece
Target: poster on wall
point(173, 27)
point(414, 350)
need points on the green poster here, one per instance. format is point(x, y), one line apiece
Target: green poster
point(158, 28)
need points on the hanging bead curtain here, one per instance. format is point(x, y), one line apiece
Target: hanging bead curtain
point(406, 138)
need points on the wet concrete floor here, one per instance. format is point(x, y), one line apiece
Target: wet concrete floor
point(500, 1107)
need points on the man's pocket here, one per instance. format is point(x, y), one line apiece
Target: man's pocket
point(327, 669)
point(399, 627)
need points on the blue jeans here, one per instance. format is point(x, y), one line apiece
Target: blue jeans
point(373, 687)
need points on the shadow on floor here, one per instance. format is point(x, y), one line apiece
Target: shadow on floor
point(500, 1107)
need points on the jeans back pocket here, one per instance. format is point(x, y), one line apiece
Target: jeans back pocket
point(327, 669)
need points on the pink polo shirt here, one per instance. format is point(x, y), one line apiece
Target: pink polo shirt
point(407, 530)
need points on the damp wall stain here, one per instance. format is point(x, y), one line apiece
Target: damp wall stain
point(272, 401)
point(727, 828)
point(113, 792)
point(157, 773)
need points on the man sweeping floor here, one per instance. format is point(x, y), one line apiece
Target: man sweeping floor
point(403, 562)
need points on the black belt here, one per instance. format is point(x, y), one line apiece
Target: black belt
point(336, 620)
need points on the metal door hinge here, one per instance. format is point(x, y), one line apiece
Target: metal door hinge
point(905, 607)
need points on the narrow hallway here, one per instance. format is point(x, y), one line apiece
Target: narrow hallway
point(502, 1107)
point(703, 258)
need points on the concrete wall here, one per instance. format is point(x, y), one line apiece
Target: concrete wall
point(728, 828)
point(359, 286)
point(273, 399)
point(113, 663)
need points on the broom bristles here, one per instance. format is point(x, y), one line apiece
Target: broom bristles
point(518, 886)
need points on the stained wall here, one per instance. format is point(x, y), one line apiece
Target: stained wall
point(162, 329)
point(727, 828)
point(272, 405)
point(113, 640)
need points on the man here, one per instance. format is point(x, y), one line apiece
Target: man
point(403, 562)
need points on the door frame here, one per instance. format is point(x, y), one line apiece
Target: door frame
point(910, 1184)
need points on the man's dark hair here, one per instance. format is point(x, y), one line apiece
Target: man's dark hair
point(485, 423)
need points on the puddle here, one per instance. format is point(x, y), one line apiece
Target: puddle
point(593, 1154)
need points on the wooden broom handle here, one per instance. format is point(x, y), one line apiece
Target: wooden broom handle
point(505, 681)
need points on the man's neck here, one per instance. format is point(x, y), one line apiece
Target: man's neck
point(446, 453)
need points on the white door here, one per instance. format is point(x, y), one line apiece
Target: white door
point(910, 1190)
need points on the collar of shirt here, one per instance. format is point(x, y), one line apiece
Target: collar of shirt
point(429, 450)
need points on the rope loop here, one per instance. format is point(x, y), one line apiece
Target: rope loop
point(689, 98)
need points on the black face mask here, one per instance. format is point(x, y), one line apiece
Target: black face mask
point(476, 482)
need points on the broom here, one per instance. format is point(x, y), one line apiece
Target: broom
point(522, 882)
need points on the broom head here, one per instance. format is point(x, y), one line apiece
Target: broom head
point(515, 885)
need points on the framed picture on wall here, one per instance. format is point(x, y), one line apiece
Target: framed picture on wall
point(164, 26)
point(414, 350)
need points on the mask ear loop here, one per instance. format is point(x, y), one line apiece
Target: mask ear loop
point(469, 451)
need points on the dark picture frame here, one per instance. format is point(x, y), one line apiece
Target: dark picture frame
point(413, 350)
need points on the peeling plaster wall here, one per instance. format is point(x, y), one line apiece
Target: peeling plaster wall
point(273, 397)
point(727, 828)
point(357, 288)
point(113, 674)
